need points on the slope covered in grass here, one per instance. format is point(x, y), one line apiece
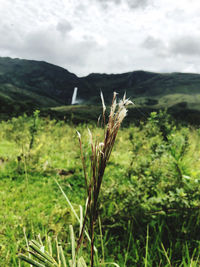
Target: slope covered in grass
point(28, 84)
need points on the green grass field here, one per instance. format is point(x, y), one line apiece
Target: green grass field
point(149, 200)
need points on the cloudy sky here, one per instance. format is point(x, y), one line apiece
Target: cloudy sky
point(107, 36)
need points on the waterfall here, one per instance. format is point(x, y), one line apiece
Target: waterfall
point(74, 100)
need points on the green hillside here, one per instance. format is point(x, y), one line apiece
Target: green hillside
point(148, 84)
point(27, 84)
point(38, 79)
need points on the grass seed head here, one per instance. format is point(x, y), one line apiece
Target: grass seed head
point(90, 136)
point(79, 135)
point(122, 115)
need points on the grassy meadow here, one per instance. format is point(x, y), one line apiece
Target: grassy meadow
point(149, 200)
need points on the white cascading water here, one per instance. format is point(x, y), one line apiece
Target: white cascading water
point(74, 101)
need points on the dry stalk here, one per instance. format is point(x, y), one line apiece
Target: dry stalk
point(100, 155)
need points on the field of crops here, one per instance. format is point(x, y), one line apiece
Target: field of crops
point(148, 204)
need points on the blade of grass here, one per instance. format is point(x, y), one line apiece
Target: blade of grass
point(62, 257)
point(81, 219)
point(30, 261)
point(129, 241)
point(72, 245)
point(24, 230)
point(165, 252)
point(58, 252)
point(147, 244)
point(111, 263)
point(81, 262)
point(49, 245)
point(44, 254)
point(74, 212)
point(101, 236)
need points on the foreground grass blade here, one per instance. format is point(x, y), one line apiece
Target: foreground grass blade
point(81, 262)
point(49, 246)
point(30, 261)
point(58, 252)
point(73, 245)
point(39, 249)
point(62, 257)
point(37, 256)
point(81, 219)
point(111, 263)
point(74, 212)
point(101, 236)
point(147, 244)
point(24, 230)
point(165, 252)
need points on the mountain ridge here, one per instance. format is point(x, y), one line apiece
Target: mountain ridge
point(29, 84)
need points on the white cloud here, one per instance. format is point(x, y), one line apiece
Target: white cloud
point(50, 44)
point(131, 3)
point(151, 42)
point(186, 45)
point(103, 35)
point(64, 26)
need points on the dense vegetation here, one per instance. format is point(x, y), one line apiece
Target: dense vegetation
point(150, 198)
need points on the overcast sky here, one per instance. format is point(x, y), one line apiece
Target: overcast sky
point(107, 36)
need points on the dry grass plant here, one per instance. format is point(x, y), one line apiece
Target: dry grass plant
point(100, 154)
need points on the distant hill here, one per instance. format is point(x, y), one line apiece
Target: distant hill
point(27, 79)
point(28, 84)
